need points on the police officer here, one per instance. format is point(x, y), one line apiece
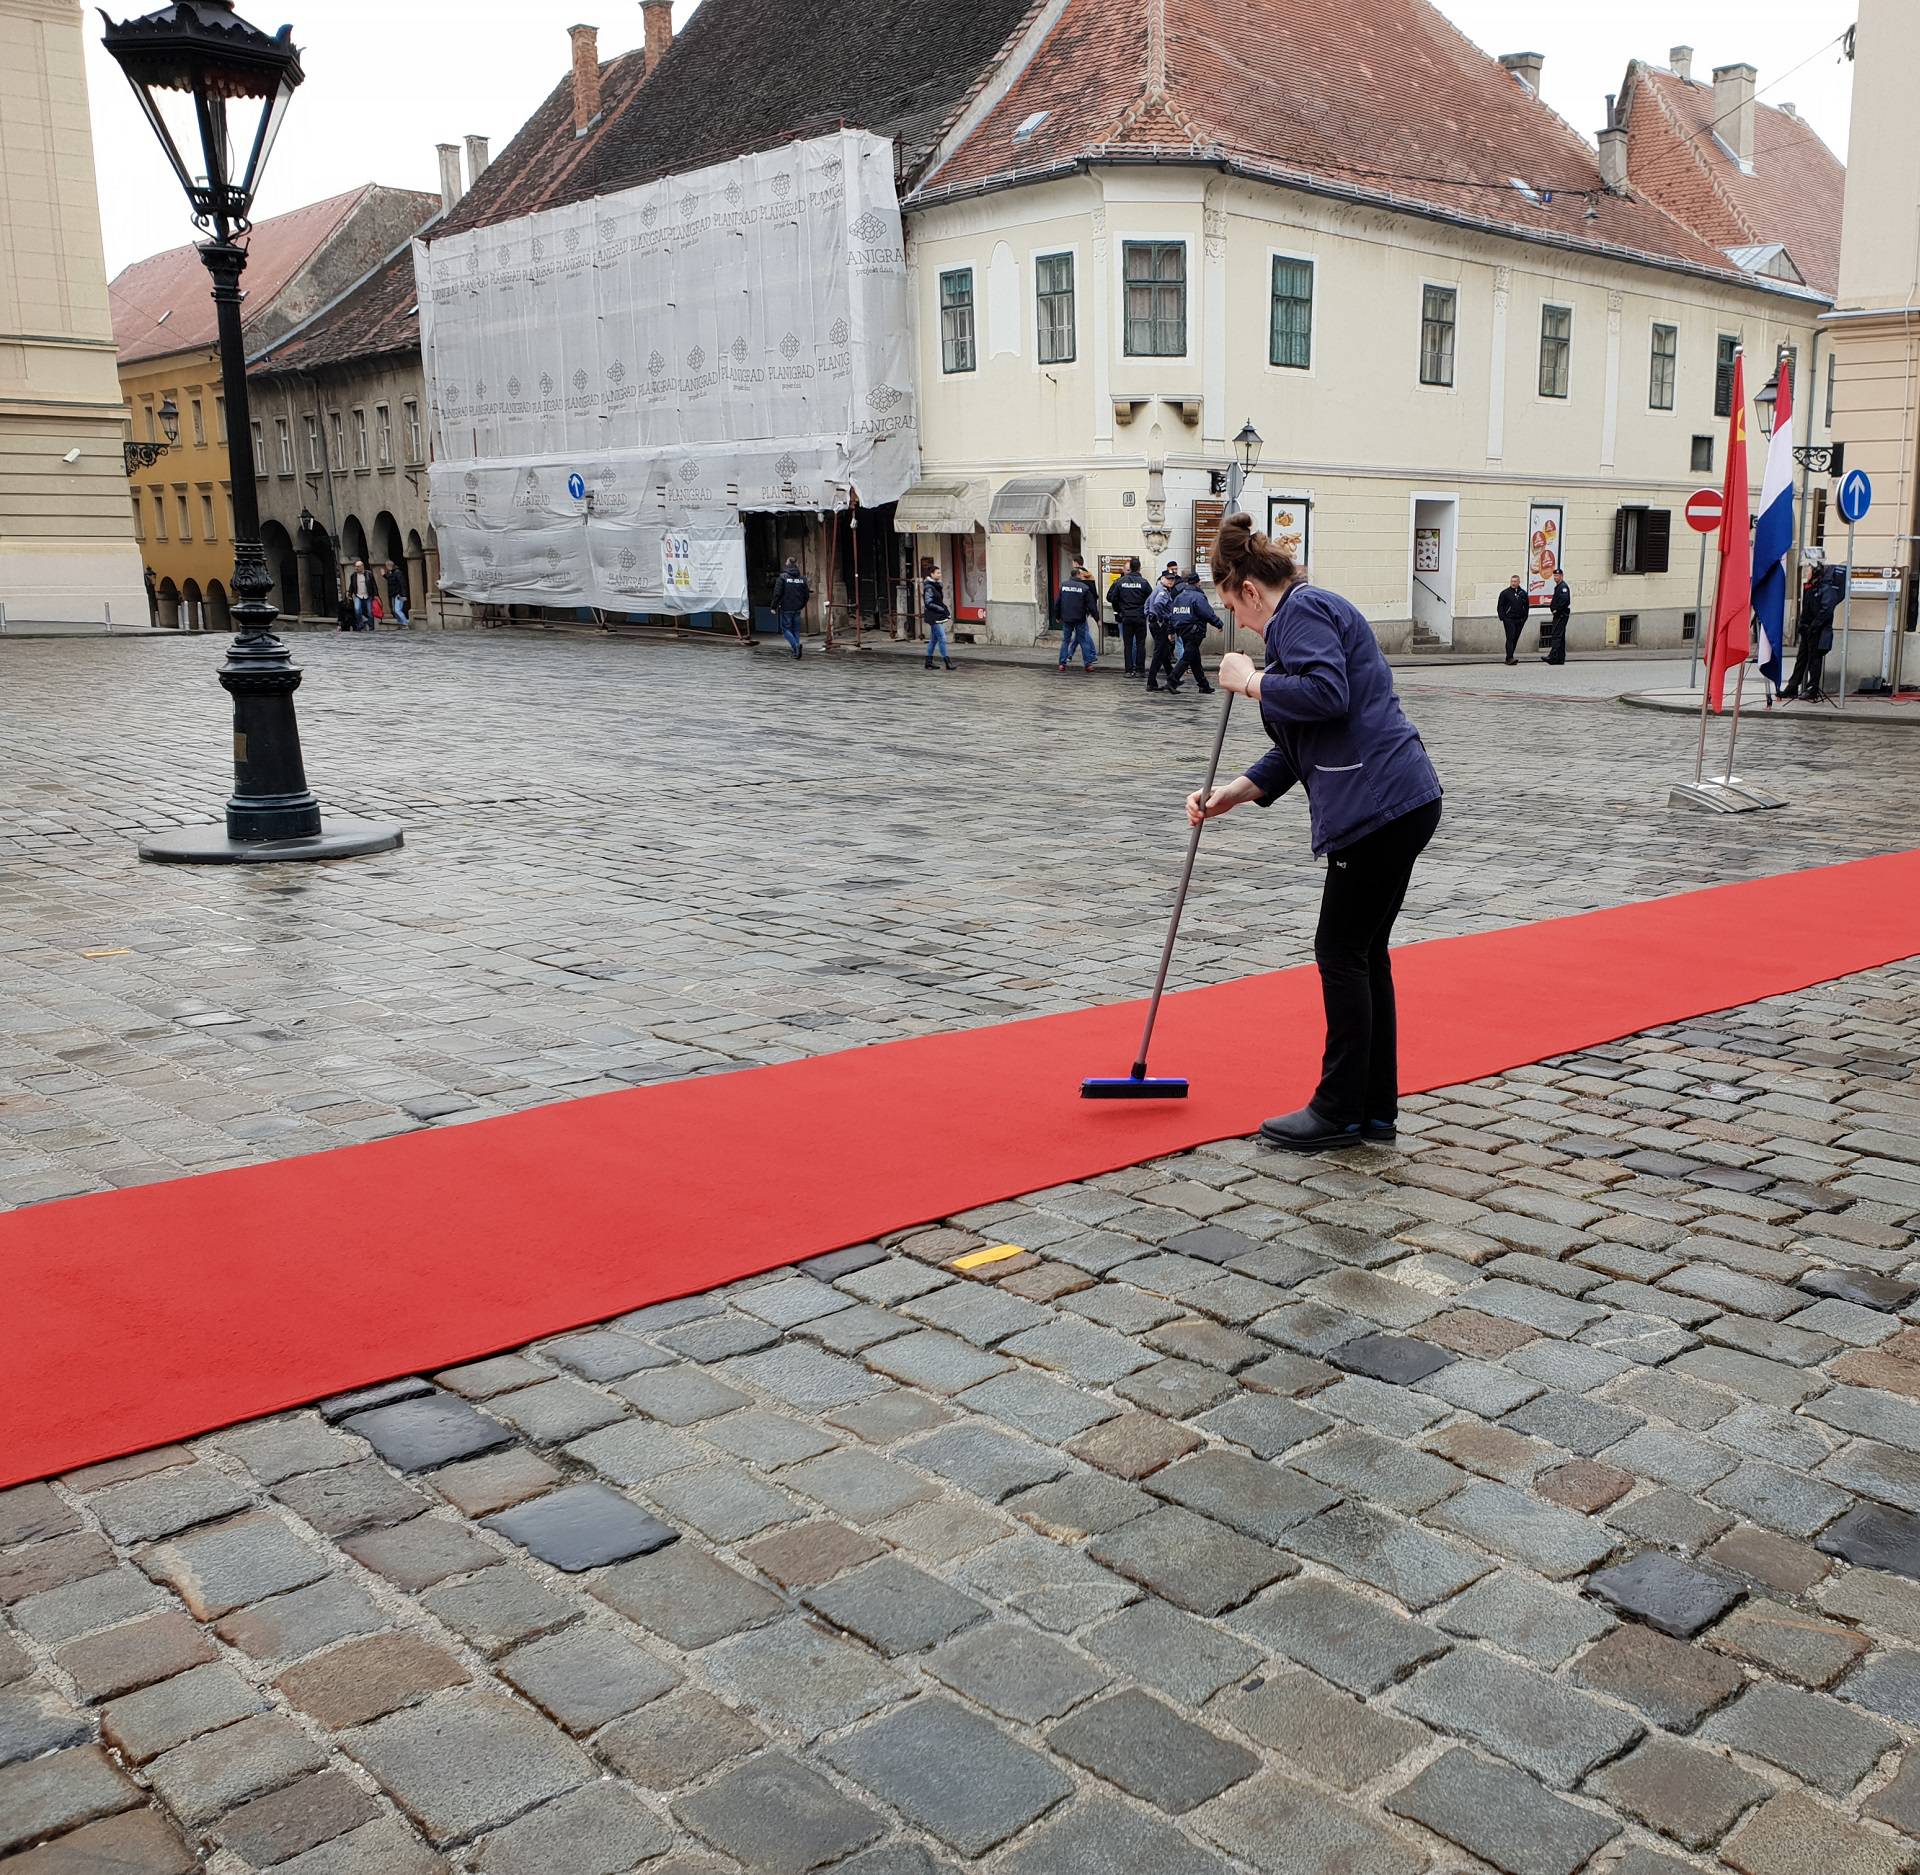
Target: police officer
point(1076, 609)
point(1191, 615)
point(1559, 608)
point(1512, 608)
point(790, 595)
point(1127, 601)
point(1160, 625)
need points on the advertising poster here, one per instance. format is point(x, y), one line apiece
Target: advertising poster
point(1544, 550)
point(969, 594)
point(1290, 526)
point(1426, 550)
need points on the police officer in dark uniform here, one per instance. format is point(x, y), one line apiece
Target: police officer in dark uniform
point(1160, 626)
point(1127, 600)
point(1559, 609)
point(790, 595)
point(1076, 609)
point(1191, 614)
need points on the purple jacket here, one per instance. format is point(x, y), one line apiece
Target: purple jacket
point(1327, 702)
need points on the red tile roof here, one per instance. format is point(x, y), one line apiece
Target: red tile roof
point(377, 317)
point(163, 304)
point(1794, 195)
point(1380, 99)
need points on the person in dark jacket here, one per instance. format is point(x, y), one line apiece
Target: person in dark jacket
point(1191, 613)
point(1818, 603)
point(790, 595)
point(935, 610)
point(1328, 706)
point(1076, 610)
point(1167, 650)
point(399, 599)
point(361, 590)
point(1559, 609)
point(1127, 601)
point(1513, 608)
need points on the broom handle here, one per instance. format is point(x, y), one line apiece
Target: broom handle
point(1180, 897)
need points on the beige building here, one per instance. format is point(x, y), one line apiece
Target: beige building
point(67, 551)
point(1118, 266)
point(1874, 329)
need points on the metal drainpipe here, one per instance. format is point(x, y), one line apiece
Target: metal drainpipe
point(326, 465)
point(1805, 518)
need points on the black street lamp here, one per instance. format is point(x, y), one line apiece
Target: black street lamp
point(1816, 458)
point(1246, 458)
point(215, 90)
point(145, 455)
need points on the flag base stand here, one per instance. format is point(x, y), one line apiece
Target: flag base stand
point(1727, 794)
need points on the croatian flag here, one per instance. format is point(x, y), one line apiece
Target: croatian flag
point(1773, 535)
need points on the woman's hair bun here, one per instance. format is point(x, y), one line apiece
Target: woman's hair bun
point(1241, 554)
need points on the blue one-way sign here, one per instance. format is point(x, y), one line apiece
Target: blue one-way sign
point(1856, 495)
point(577, 486)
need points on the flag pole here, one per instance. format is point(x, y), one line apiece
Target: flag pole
point(1733, 735)
point(1699, 614)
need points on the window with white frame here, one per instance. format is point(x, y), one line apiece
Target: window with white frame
point(313, 443)
point(220, 422)
point(956, 320)
point(1556, 350)
point(1663, 367)
point(283, 442)
point(414, 451)
point(259, 447)
point(383, 434)
point(206, 515)
point(1155, 274)
point(199, 423)
point(186, 516)
point(1290, 336)
point(1053, 291)
point(1439, 306)
point(337, 433)
point(359, 439)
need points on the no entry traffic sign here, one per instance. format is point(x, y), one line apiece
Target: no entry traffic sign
point(1704, 509)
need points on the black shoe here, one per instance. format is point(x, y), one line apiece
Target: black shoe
point(948, 662)
point(1206, 690)
point(1306, 1131)
point(1379, 1129)
point(1513, 660)
point(1155, 688)
point(929, 664)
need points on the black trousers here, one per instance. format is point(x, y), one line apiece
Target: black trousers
point(1133, 642)
point(1806, 677)
point(1191, 643)
point(1513, 637)
point(1366, 886)
point(1557, 638)
point(1163, 660)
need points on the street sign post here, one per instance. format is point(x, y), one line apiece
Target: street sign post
point(1856, 497)
point(1704, 508)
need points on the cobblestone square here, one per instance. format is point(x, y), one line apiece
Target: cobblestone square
point(1539, 1495)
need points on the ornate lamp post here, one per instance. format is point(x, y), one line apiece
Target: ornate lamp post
point(1816, 458)
point(215, 89)
point(145, 455)
point(1246, 458)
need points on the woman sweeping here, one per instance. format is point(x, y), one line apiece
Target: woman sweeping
point(1327, 702)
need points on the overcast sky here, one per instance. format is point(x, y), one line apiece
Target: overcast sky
point(388, 79)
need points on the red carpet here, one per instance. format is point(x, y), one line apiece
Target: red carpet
point(140, 1316)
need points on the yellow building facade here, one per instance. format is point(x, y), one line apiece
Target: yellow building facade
point(67, 553)
point(183, 504)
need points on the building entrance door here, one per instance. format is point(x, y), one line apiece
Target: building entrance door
point(1432, 555)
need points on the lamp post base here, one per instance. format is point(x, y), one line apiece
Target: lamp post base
point(342, 836)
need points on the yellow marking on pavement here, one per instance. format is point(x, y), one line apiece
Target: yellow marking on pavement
point(119, 953)
point(978, 1259)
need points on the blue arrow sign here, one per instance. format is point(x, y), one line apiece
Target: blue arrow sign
point(577, 486)
point(1856, 495)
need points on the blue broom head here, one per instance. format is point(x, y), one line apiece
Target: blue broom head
point(1127, 1087)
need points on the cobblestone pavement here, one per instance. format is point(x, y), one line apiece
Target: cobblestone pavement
point(631, 862)
point(1540, 1495)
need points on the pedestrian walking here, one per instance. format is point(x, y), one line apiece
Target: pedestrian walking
point(1558, 609)
point(1192, 613)
point(1513, 608)
point(790, 595)
point(935, 610)
point(1166, 658)
point(1127, 602)
point(1328, 706)
point(399, 598)
point(1818, 604)
point(360, 591)
point(1076, 610)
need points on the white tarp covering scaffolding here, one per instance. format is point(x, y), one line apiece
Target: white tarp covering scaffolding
point(614, 382)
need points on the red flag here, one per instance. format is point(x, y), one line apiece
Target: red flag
point(1733, 597)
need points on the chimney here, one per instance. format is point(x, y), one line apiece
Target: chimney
point(1525, 66)
point(450, 187)
point(1613, 159)
point(586, 77)
point(1733, 110)
point(477, 159)
point(658, 15)
point(1680, 62)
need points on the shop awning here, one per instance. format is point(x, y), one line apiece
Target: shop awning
point(1032, 505)
point(941, 508)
